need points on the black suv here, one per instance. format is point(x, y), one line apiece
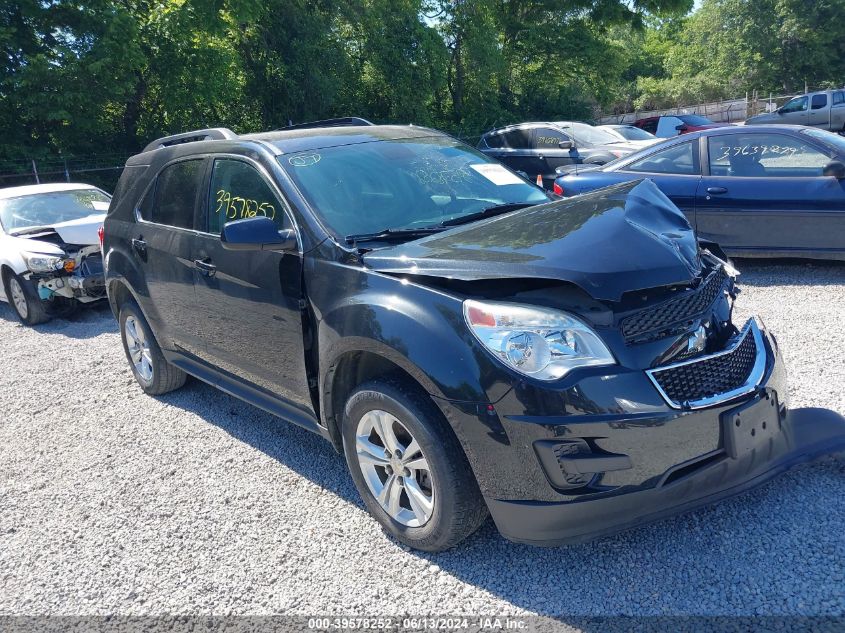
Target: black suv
point(541, 149)
point(469, 344)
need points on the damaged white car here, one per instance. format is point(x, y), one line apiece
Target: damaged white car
point(50, 258)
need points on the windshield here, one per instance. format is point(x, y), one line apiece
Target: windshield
point(634, 133)
point(403, 184)
point(43, 209)
point(828, 138)
point(587, 134)
point(694, 119)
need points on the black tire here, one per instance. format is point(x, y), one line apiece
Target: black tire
point(165, 377)
point(459, 508)
point(33, 310)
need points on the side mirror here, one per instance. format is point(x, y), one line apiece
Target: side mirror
point(256, 234)
point(835, 169)
point(566, 145)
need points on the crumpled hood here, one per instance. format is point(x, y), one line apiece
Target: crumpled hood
point(611, 241)
point(82, 231)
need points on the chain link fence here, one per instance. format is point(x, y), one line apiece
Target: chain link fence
point(102, 170)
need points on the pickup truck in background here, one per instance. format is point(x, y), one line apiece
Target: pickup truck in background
point(824, 109)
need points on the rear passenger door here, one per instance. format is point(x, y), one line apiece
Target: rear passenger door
point(837, 111)
point(819, 115)
point(249, 301)
point(162, 242)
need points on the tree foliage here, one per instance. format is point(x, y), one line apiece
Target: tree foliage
point(105, 76)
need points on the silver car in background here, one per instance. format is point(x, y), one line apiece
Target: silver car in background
point(824, 109)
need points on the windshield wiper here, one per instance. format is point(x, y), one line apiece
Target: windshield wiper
point(489, 212)
point(392, 234)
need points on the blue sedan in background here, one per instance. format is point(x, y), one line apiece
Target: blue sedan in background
point(761, 191)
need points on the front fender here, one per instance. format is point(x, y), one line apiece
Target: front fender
point(419, 329)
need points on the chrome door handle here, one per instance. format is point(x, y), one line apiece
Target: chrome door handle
point(206, 268)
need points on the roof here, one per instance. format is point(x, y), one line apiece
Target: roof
point(288, 141)
point(28, 190)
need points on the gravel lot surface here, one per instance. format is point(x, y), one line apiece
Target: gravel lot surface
point(113, 502)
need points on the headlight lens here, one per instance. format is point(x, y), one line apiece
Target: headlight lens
point(41, 263)
point(539, 342)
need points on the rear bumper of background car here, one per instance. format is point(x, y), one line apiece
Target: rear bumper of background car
point(804, 434)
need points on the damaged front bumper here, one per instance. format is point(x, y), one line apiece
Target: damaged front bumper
point(85, 282)
point(613, 451)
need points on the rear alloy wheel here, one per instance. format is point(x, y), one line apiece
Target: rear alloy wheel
point(409, 467)
point(138, 349)
point(151, 370)
point(25, 300)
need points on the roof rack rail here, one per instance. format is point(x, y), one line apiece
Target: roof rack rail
point(209, 134)
point(342, 122)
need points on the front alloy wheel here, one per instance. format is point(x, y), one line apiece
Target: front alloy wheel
point(18, 297)
point(408, 465)
point(395, 469)
point(23, 297)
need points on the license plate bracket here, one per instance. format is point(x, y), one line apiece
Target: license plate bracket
point(751, 425)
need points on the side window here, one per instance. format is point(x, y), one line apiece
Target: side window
point(796, 105)
point(818, 102)
point(146, 206)
point(548, 138)
point(494, 141)
point(518, 139)
point(239, 191)
point(678, 159)
point(839, 98)
point(174, 195)
point(650, 126)
point(764, 155)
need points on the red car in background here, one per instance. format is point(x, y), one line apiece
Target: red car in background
point(671, 125)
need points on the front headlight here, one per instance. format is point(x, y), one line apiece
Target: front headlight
point(538, 342)
point(41, 263)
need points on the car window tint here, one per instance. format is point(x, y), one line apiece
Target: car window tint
point(239, 191)
point(548, 138)
point(838, 97)
point(796, 105)
point(650, 126)
point(145, 208)
point(518, 139)
point(818, 102)
point(678, 159)
point(176, 191)
point(764, 155)
point(494, 141)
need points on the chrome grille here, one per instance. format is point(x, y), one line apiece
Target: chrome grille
point(710, 379)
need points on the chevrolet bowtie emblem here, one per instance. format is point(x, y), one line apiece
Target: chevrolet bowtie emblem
point(697, 341)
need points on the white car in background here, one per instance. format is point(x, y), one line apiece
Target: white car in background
point(631, 134)
point(50, 259)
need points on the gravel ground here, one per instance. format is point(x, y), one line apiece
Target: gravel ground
point(113, 502)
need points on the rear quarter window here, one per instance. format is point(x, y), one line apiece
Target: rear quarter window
point(171, 200)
